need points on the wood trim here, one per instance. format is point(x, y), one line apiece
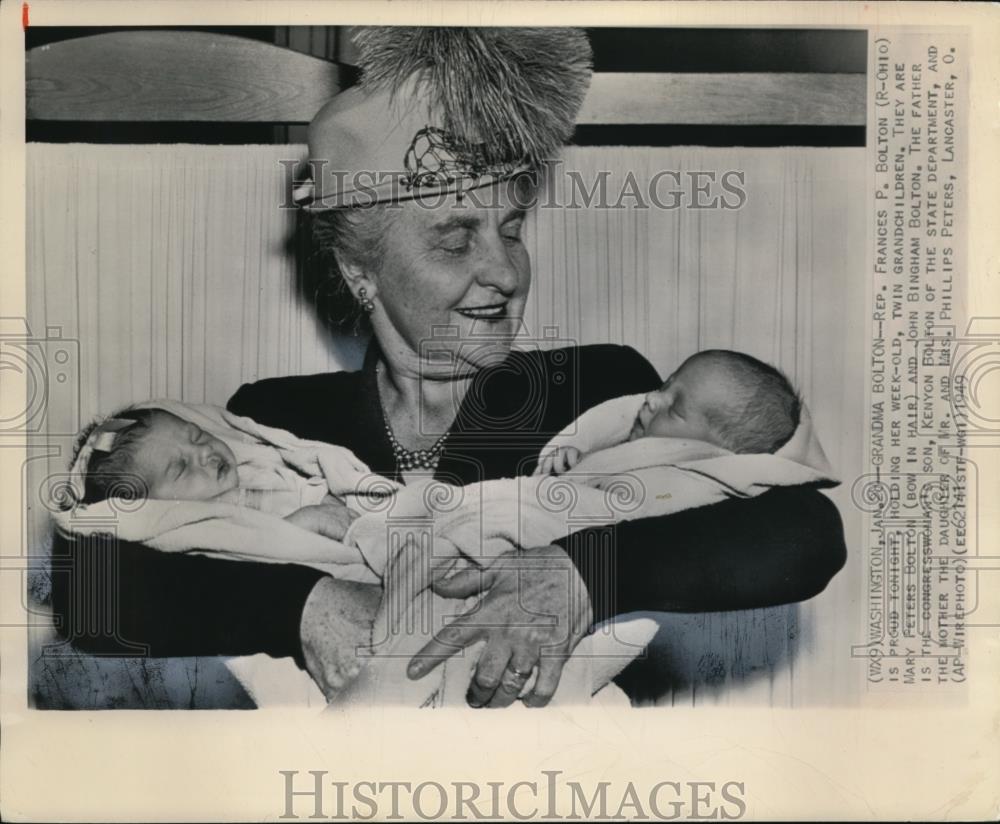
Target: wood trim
point(150, 76)
point(745, 99)
point(176, 76)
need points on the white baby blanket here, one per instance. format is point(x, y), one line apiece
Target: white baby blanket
point(616, 481)
point(644, 478)
point(267, 459)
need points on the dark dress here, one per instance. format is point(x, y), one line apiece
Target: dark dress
point(780, 547)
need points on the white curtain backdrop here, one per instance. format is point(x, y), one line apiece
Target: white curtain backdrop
point(173, 268)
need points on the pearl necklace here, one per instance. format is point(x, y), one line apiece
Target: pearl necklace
point(408, 460)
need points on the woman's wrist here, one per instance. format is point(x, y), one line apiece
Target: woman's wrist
point(579, 593)
point(336, 615)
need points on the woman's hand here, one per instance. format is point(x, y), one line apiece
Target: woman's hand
point(535, 613)
point(336, 621)
point(330, 518)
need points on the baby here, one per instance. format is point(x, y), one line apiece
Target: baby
point(176, 459)
point(724, 398)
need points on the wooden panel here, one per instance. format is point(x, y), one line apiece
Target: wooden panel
point(331, 42)
point(726, 99)
point(196, 76)
point(171, 75)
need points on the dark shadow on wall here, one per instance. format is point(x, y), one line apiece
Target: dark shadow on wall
point(695, 656)
point(62, 677)
point(78, 681)
point(318, 286)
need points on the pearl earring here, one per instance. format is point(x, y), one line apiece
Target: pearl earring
point(367, 304)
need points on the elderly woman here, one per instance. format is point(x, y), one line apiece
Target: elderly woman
point(434, 258)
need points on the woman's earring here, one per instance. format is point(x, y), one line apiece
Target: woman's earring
point(367, 304)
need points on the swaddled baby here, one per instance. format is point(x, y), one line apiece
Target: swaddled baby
point(177, 460)
point(724, 398)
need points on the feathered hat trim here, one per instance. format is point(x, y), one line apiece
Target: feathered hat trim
point(514, 93)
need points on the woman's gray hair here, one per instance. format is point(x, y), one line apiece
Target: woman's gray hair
point(350, 235)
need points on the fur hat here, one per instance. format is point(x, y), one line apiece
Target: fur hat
point(441, 110)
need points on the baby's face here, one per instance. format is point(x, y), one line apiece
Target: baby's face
point(677, 409)
point(181, 462)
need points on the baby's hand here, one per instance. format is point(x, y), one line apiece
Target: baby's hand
point(560, 460)
point(331, 518)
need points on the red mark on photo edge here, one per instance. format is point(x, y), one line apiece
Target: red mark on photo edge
point(24, 16)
